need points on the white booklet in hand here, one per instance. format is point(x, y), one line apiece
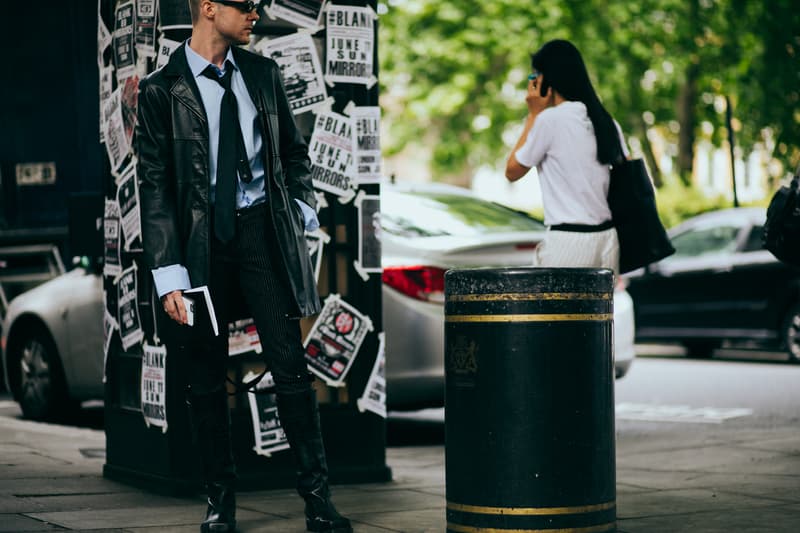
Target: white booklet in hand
point(199, 307)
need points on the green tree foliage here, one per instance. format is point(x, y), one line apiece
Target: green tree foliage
point(453, 73)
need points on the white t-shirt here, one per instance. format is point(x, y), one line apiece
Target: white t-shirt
point(562, 146)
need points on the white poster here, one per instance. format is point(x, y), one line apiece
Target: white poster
point(331, 153)
point(165, 49)
point(146, 27)
point(302, 13)
point(334, 340)
point(369, 234)
point(128, 199)
point(243, 337)
point(103, 37)
point(374, 397)
point(130, 326)
point(117, 145)
point(106, 88)
point(301, 72)
point(154, 390)
point(267, 429)
point(124, 50)
point(109, 325)
point(316, 241)
point(111, 235)
point(350, 39)
point(367, 124)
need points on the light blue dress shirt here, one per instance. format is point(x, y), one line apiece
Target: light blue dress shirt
point(176, 277)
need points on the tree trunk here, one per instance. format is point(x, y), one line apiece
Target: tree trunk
point(687, 99)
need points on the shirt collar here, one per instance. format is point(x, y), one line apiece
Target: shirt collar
point(197, 63)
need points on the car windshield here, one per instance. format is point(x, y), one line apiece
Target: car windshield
point(703, 241)
point(435, 214)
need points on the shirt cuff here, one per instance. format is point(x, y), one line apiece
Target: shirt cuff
point(309, 215)
point(171, 278)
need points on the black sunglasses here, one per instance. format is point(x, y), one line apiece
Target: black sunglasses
point(244, 7)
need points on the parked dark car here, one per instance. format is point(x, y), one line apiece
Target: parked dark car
point(719, 287)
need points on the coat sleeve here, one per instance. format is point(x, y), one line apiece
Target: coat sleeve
point(293, 149)
point(156, 178)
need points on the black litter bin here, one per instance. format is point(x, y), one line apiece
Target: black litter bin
point(529, 400)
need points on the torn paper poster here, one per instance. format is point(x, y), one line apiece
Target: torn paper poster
point(302, 13)
point(243, 337)
point(145, 27)
point(112, 265)
point(269, 435)
point(130, 324)
point(106, 88)
point(333, 342)
point(300, 67)
point(367, 146)
point(374, 397)
point(154, 386)
point(350, 43)
point(128, 199)
point(369, 234)
point(117, 145)
point(165, 49)
point(316, 241)
point(109, 325)
point(331, 153)
point(123, 44)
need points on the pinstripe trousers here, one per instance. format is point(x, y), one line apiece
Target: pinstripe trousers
point(249, 270)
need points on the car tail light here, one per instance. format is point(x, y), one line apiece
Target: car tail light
point(420, 282)
point(526, 246)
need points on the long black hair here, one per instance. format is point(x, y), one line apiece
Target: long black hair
point(563, 69)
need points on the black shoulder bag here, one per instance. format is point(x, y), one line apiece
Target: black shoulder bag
point(631, 198)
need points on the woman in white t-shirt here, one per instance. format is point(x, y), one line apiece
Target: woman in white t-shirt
point(571, 140)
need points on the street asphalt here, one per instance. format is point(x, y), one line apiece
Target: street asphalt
point(728, 480)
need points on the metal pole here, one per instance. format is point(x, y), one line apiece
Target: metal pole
point(728, 124)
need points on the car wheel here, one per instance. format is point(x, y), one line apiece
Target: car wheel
point(42, 388)
point(791, 333)
point(700, 349)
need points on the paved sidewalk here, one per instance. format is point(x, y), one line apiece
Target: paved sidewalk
point(667, 481)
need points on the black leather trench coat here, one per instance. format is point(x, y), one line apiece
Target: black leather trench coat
point(172, 142)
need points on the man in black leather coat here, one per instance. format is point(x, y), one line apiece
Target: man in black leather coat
point(264, 261)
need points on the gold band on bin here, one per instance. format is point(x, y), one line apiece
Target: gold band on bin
point(558, 317)
point(530, 511)
point(529, 296)
point(600, 528)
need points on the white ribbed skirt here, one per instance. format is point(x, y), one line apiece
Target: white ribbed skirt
point(573, 249)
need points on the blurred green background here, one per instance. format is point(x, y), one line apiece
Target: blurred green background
point(454, 72)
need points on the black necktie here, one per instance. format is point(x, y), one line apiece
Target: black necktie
point(231, 156)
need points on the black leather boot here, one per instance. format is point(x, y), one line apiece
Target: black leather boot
point(221, 512)
point(299, 415)
point(210, 422)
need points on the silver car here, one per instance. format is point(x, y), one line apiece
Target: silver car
point(427, 229)
point(52, 336)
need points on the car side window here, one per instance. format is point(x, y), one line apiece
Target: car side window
point(695, 243)
point(754, 242)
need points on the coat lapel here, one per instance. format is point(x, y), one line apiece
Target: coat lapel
point(185, 88)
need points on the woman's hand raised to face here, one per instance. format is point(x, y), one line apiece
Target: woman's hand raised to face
point(536, 102)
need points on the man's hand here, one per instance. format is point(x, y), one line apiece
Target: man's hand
point(173, 305)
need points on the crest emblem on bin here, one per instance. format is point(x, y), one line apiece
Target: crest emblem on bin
point(462, 360)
